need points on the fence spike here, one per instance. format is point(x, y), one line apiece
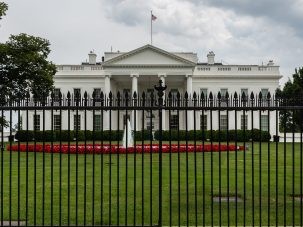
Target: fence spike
point(143, 98)
point(260, 95)
point(186, 95)
point(143, 95)
point(202, 97)
point(135, 95)
point(211, 97)
point(226, 95)
point(236, 95)
point(219, 95)
point(268, 96)
point(243, 97)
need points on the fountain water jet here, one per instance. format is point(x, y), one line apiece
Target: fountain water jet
point(128, 137)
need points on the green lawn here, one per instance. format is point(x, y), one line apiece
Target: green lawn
point(190, 190)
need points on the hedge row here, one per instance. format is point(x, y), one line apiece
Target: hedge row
point(117, 135)
point(215, 135)
point(65, 135)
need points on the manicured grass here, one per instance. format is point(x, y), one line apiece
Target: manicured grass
point(189, 180)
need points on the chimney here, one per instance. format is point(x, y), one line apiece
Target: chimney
point(270, 63)
point(92, 58)
point(211, 58)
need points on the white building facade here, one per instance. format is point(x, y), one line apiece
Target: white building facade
point(140, 69)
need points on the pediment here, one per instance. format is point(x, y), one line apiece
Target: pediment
point(148, 55)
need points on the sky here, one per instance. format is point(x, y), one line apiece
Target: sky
point(238, 31)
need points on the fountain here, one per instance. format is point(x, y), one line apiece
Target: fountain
point(128, 137)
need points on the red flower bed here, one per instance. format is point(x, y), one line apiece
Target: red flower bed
point(114, 149)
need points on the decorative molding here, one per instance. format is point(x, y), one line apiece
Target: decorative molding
point(148, 46)
point(162, 75)
point(134, 75)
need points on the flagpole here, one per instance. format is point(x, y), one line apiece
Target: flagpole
point(151, 28)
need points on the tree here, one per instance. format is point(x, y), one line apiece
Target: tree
point(24, 67)
point(3, 9)
point(292, 94)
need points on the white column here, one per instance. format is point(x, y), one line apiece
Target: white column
point(107, 85)
point(190, 114)
point(107, 88)
point(162, 77)
point(189, 84)
point(134, 82)
point(134, 77)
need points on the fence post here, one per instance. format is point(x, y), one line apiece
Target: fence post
point(160, 88)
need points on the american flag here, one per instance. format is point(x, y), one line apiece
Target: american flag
point(153, 17)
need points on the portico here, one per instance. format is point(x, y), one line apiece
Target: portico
point(139, 70)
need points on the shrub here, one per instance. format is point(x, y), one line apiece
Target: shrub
point(215, 135)
point(65, 135)
point(143, 135)
point(23, 135)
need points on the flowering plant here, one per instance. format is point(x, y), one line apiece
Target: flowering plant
point(115, 149)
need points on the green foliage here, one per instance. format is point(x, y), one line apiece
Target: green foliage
point(24, 67)
point(214, 135)
point(3, 9)
point(24, 135)
point(292, 94)
point(143, 135)
point(81, 135)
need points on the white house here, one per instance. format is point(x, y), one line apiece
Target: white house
point(140, 69)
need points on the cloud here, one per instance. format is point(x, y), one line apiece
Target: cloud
point(239, 31)
point(289, 13)
point(128, 12)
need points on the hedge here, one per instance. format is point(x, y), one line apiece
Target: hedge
point(81, 135)
point(214, 135)
point(117, 135)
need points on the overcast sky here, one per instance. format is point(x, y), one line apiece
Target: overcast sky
point(238, 31)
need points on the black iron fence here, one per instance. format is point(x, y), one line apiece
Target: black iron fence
point(151, 160)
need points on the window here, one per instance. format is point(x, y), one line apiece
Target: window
point(264, 123)
point(223, 122)
point(77, 122)
point(244, 122)
point(150, 127)
point(97, 122)
point(203, 122)
point(97, 92)
point(57, 94)
point(174, 122)
point(77, 93)
point(264, 92)
point(245, 91)
point(57, 122)
point(37, 122)
point(223, 92)
point(204, 91)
